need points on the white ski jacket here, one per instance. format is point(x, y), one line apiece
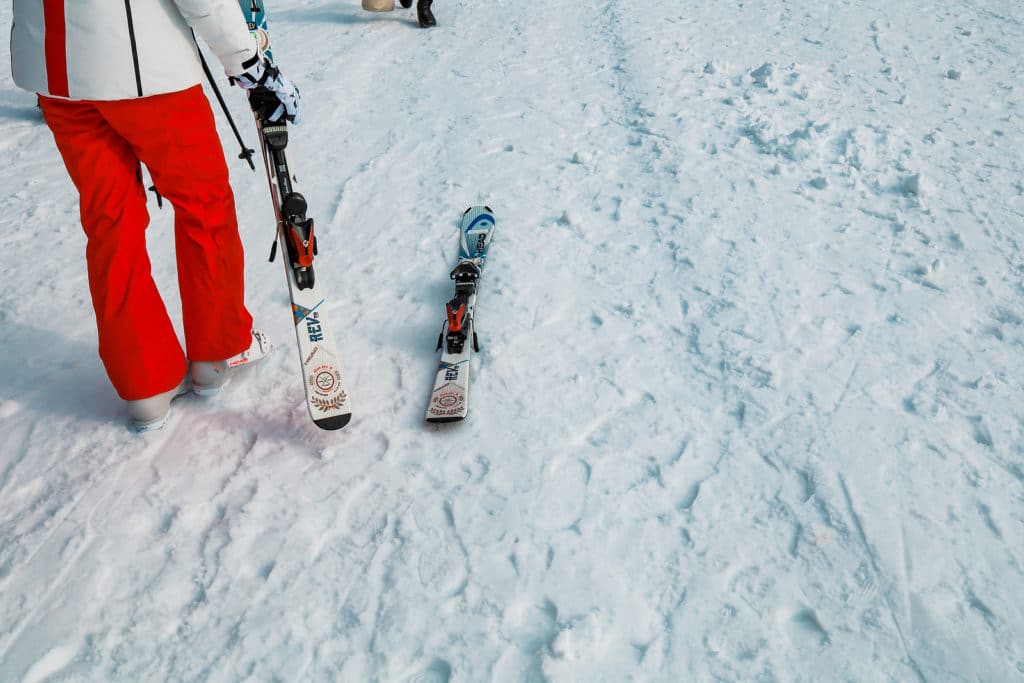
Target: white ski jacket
point(122, 49)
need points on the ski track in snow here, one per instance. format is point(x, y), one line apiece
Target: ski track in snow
point(749, 400)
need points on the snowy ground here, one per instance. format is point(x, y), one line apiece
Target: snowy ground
point(750, 400)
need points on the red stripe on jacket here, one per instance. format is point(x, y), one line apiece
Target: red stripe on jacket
point(56, 48)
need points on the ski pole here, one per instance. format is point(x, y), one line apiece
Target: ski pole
point(246, 153)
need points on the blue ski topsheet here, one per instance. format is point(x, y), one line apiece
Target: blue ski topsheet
point(477, 231)
point(256, 16)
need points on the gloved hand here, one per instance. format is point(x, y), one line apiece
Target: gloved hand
point(271, 93)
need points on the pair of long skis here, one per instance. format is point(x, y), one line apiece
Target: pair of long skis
point(327, 399)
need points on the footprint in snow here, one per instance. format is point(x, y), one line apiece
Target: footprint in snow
point(441, 566)
point(366, 517)
point(439, 671)
point(563, 493)
point(432, 551)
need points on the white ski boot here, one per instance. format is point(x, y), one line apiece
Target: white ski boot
point(150, 414)
point(208, 377)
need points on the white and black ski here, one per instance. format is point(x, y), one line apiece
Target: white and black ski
point(326, 397)
point(449, 399)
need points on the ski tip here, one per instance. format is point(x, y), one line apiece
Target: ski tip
point(478, 209)
point(333, 422)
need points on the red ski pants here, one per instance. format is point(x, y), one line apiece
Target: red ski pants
point(174, 135)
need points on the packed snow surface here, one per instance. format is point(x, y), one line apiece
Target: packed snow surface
point(749, 404)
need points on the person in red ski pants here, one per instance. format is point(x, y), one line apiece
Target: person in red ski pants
point(116, 101)
point(102, 144)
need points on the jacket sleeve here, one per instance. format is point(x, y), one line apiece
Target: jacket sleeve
point(222, 26)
